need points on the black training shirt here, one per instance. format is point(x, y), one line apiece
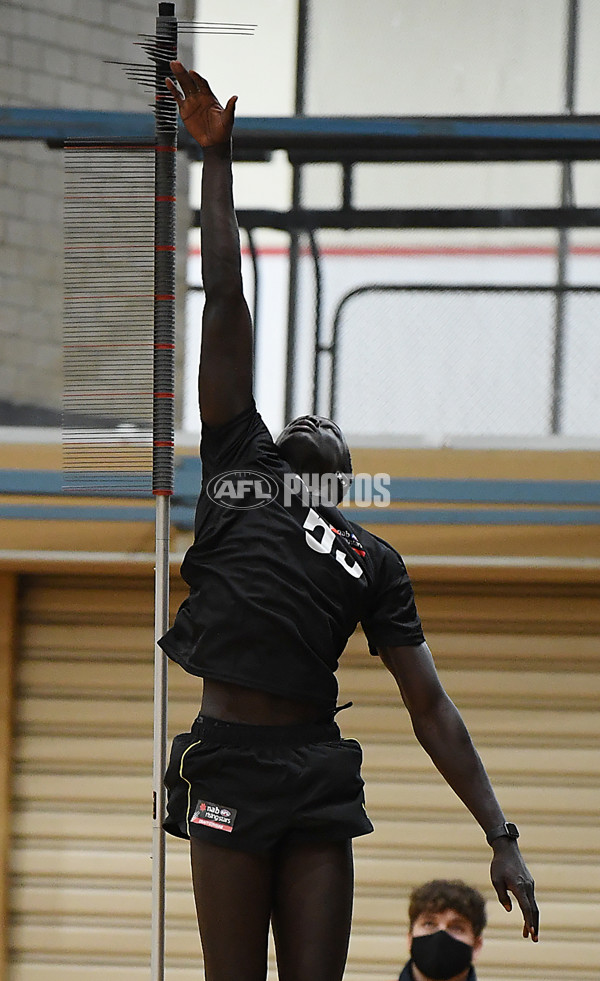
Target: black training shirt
point(277, 589)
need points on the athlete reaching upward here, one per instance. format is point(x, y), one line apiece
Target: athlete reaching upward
point(263, 785)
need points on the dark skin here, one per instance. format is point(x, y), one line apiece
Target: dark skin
point(314, 444)
point(305, 891)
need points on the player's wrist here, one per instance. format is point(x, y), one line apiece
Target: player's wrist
point(220, 151)
point(502, 833)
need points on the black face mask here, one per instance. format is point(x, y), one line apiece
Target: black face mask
point(440, 956)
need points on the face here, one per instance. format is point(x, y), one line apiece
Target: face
point(454, 923)
point(314, 444)
point(449, 920)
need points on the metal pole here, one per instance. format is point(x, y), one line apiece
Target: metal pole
point(163, 443)
point(256, 274)
point(161, 622)
point(318, 346)
point(303, 6)
point(566, 200)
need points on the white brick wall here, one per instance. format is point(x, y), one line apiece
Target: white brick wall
point(54, 58)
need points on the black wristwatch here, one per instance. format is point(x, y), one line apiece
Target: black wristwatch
point(506, 830)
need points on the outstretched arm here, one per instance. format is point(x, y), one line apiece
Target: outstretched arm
point(442, 733)
point(225, 379)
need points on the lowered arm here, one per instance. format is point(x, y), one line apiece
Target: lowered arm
point(442, 733)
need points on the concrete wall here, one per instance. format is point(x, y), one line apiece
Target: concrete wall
point(51, 55)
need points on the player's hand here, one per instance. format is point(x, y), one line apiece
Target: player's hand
point(203, 115)
point(508, 871)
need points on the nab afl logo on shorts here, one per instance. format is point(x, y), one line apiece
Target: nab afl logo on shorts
point(242, 489)
point(214, 816)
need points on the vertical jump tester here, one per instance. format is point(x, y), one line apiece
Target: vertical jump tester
point(119, 347)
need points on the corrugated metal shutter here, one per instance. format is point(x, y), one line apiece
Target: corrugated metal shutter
point(81, 888)
point(523, 666)
point(522, 662)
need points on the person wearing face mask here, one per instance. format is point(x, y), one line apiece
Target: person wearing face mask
point(447, 919)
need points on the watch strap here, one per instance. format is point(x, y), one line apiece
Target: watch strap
point(506, 830)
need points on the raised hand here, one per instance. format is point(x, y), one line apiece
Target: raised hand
point(203, 115)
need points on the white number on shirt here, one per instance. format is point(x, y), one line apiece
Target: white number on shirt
point(321, 538)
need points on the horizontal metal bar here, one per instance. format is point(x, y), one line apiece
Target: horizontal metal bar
point(486, 491)
point(339, 138)
point(18, 123)
point(311, 219)
point(371, 139)
point(471, 288)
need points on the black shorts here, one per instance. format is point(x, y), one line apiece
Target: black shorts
point(250, 787)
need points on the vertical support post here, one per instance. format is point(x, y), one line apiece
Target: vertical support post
point(566, 200)
point(301, 45)
point(8, 626)
point(318, 342)
point(256, 274)
point(163, 442)
point(161, 618)
point(347, 185)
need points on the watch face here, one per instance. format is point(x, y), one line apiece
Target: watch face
point(512, 830)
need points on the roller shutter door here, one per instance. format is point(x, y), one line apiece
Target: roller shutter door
point(81, 884)
point(527, 686)
point(522, 662)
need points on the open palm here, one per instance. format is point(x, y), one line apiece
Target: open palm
point(203, 115)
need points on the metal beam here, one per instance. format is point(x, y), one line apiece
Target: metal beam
point(310, 219)
point(378, 139)
point(342, 139)
point(57, 125)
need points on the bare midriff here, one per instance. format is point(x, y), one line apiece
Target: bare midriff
point(234, 703)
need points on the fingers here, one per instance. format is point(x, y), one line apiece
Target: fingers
point(524, 894)
point(508, 871)
point(502, 894)
point(190, 81)
point(174, 90)
point(531, 913)
point(185, 80)
point(201, 84)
